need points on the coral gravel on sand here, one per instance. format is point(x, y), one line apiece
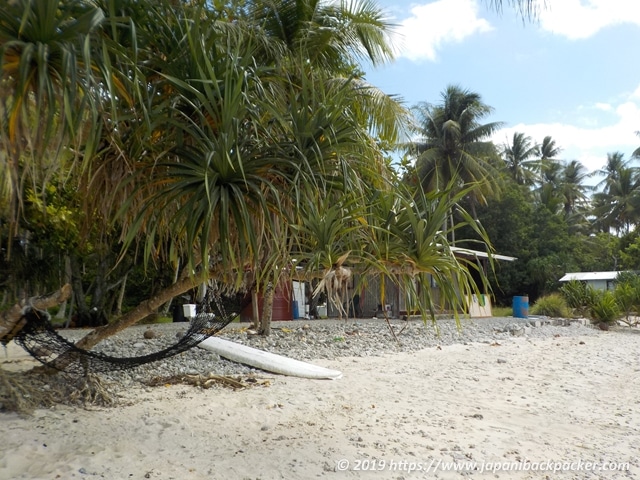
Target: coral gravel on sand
point(316, 339)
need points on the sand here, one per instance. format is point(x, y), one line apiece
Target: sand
point(566, 407)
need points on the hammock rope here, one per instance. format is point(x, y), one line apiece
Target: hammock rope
point(42, 341)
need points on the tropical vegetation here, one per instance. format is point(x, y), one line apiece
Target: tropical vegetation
point(149, 149)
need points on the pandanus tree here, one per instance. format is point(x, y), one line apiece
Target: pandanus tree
point(252, 141)
point(221, 128)
point(52, 83)
point(332, 36)
point(396, 238)
point(47, 106)
point(412, 250)
point(215, 136)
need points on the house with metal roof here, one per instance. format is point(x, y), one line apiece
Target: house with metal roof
point(597, 280)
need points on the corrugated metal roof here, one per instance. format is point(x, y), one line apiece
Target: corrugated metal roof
point(586, 276)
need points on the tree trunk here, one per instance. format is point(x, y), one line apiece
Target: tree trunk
point(62, 312)
point(143, 310)
point(98, 295)
point(267, 310)
point(254, 309)
point(82, 310)
point(123, 288)
point(167, 307)
point(10, 320)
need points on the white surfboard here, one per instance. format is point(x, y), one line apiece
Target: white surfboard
point(267, 361)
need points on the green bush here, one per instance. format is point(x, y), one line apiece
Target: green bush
point(552, 305)
point(577, 296)
point(627, 299)
point(604, 307)
point(627, 295)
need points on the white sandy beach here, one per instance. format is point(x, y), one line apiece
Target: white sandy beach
point(570, 404)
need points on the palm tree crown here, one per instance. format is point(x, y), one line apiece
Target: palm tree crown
point(454, 143)
point(521, 159)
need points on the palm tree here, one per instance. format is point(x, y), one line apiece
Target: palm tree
point(562, 188)
point(333, 36)
point(225, 150)
point(611, 171)
point(636, 152)
point(47, 100)
point(618, 206)
point(454, 144)
point(575, 196)
point(550, 165)
point(548, 149)
point(520, 161)
point(527, 8)
point(254, 142)
point(573, 189)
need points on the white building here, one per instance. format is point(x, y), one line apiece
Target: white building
point(598, 280)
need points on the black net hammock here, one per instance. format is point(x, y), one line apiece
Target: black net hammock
point(42, 341)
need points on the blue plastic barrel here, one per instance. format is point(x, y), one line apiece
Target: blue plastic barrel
point(296, 310)
point(521, 306)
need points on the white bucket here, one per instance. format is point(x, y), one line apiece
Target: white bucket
point(189, 310)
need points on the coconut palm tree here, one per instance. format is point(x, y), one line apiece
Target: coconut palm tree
point(636, 152)
point(550, 165)
point(333, 36)
point(454, 144)
point(573, 188)
point(521, 159)
point(618, 206)
point(575, 196)
point(563, 189)
point(611, 171)
point(615, 204)
point(548, 149)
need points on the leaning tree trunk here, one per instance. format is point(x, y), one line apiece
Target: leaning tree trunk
point(11, 321)
point(143, 310)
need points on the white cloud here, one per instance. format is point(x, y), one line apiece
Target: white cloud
point(636, 93)
point(604, 106)
point(589, 145)
point(579, 19)
point(435, 24)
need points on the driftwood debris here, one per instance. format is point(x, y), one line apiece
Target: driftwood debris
point(11, 321)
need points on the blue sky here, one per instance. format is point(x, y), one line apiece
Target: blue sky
point(574, 74)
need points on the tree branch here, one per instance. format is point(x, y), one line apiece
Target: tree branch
point(11, 321)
